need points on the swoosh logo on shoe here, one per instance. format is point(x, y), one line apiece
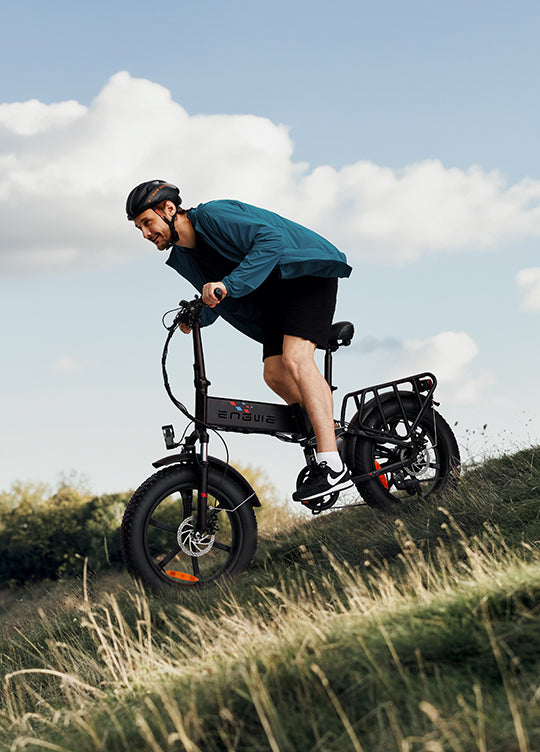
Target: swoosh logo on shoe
point(333, 481)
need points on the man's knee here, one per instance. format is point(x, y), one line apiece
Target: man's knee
point(272, 380)
point(297, 356)
point(273, 372)
point(292, 363)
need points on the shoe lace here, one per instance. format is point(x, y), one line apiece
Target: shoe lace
point(318, 470)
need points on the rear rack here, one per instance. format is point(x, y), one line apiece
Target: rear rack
point(375, 398)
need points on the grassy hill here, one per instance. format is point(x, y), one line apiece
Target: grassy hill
point(352, 631)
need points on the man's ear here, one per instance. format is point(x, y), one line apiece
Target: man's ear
point(165, 210)
point(169, 209)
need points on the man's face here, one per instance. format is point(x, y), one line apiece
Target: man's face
point(153, 228)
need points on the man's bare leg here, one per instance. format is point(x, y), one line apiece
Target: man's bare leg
point(294, 376)
point(280, 380)
point(298, 358)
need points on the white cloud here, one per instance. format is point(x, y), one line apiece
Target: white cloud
point(450, 356)
point(29, 118)
point(528, 281)
point(427, 207)
point(66, 169)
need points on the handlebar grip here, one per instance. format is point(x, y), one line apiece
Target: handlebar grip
point(218, 292)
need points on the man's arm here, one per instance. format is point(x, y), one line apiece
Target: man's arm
point(259, 262)
point(238, 232)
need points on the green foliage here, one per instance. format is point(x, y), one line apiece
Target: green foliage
point(47, 536)
point(33, 493)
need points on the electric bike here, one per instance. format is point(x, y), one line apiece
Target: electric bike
point(193, 520)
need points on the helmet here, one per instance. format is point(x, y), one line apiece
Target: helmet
point(147, 195)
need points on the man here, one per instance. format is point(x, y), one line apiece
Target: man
point(278, 283)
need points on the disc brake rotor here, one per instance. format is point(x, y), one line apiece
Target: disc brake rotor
point(421, 462)
point(191, 541)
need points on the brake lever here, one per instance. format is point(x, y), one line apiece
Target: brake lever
point(190, 310)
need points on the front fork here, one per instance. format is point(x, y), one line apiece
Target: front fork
point(202, 502)
point(200, 462)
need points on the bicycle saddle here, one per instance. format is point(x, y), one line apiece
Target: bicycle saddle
point(341, 334)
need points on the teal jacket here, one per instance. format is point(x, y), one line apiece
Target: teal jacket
point(259, 241)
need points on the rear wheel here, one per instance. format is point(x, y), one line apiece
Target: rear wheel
point(160, 543)
point(431, 458)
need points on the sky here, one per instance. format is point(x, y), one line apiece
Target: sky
point(405, 133)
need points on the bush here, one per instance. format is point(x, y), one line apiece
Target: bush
point(45, 538)
point(45, 535)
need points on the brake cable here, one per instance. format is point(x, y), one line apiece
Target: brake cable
point(171, 329)
point(186, 314)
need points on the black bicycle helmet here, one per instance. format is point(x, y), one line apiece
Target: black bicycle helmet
point(147, 195)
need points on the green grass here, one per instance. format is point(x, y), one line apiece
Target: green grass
point(352, 631)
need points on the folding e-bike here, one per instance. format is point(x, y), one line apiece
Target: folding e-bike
point(193, 521)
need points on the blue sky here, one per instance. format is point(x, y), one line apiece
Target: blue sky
point(394, 82)
point(404, 132)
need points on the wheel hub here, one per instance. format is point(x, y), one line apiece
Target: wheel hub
point(419, 464)
point(191, 541)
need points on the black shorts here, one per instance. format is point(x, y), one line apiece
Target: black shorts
point(301, 307)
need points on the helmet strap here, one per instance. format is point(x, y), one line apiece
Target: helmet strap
point(170, 222)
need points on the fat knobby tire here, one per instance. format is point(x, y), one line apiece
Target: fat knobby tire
point(446, 451)
point(135, 529)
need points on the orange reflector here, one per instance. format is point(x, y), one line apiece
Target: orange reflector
point(382, 478)
point(182, 576)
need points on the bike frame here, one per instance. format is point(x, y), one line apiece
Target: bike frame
point(291, 423)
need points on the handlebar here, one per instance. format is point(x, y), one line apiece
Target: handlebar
point(190, 311)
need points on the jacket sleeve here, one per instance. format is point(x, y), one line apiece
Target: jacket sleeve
point(259, 261)
point(208, 316)
point(259, 246)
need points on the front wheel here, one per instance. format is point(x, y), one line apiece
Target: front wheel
point(160, 543)
point(431, 458)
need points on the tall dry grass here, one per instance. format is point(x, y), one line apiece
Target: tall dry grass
point(420, 633)
point(430, 660)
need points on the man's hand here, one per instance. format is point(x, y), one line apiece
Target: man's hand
point(184, 328)
point(208, 296)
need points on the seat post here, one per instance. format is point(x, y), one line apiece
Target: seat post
point(328, 368)
point(341, 334)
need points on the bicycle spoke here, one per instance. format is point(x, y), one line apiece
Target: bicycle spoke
point(169, 557)
point(222, 546)
point(187, 501)
point(163, 526)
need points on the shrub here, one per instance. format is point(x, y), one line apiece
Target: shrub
point(45, 535)
point(45, 538)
